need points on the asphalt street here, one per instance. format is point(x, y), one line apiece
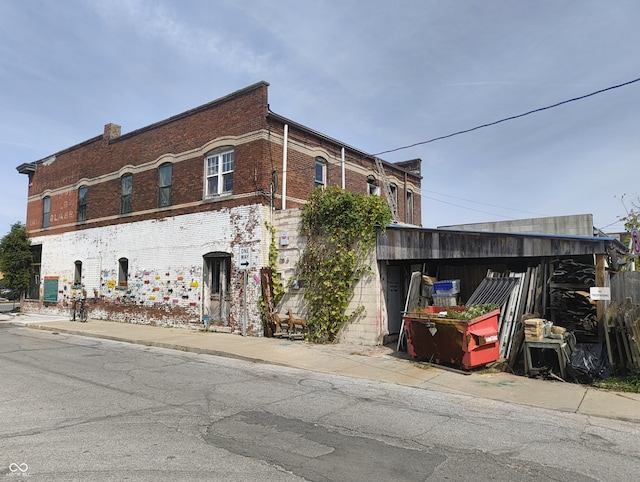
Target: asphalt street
point(7, 306)
point(76, 408)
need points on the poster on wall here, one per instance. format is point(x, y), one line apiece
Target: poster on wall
point(51, 289)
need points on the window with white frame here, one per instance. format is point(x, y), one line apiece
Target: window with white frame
point(321, 172)
point(219, 172)
point(372, 186)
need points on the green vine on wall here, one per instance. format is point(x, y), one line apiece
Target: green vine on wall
point(278, 288)
point(340, 227)
point(276, 278)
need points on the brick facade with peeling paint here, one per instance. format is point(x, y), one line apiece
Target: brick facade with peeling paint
point(178, 264)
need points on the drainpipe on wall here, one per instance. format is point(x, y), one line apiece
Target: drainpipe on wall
point(284, 166)
point(343, 168)
point(271, 202)
point(406, 188)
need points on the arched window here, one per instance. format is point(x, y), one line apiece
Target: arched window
point(77, 274)
point(46, 211)
point(219, 172)
point(372, 186)
point(126, 192)
point(409, 208)
point(82, 203)
point(123, 273)
point(321, 172)
point(394, 193)
point(164, 185)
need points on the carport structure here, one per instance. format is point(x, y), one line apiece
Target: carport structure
point(469, 255)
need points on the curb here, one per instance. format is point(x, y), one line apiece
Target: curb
point(168, 346)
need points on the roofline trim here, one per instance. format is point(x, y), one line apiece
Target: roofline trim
point(589, 239)
point(340, 143)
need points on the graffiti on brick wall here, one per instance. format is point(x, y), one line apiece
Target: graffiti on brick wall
point(178, 288)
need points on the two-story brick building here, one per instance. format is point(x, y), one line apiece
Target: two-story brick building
point(152, 223)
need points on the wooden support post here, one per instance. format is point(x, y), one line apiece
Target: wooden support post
point(600, 276)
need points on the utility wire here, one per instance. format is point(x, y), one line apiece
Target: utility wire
point(509, 118)
point(331, 161)
point(425, 191)
point(466, 207)
point(610, 224)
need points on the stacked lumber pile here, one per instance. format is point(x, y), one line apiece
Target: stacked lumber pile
point(570, 305)
point(623, 336)
point(574, 310)
point(534, 329)
point(570, 272)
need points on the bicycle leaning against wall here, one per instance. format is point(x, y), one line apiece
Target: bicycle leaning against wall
point(79, 308)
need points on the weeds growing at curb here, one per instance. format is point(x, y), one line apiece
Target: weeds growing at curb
point(629, 384)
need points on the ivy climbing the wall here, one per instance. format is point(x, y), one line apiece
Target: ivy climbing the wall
point(277, 286)
point(340, 227)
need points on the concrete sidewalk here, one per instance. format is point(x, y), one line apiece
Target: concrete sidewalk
point(372, 363)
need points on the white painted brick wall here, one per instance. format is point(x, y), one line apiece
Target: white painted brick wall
point(168, 255)
point(165, 261)
point(369, 328)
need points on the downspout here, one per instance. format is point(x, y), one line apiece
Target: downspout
point(406, 187)
point(343, 168)
point(271, 193)
point(284, 166)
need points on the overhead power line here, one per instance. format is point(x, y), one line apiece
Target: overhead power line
point(509, 118)
point(465, 207)
point(424, 192)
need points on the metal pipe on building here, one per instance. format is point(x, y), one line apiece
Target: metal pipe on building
point(343, 183)
point(284, 166)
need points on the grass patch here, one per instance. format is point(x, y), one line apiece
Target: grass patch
point(423, 366)
point(630, 384)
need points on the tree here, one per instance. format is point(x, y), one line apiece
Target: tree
point(16, 259)
point(631, 222)
point(632, 219)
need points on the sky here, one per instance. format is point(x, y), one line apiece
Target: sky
point(377, 75)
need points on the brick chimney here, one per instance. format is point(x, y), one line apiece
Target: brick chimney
point(111, 131)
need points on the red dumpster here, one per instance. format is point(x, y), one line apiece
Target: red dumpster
point(464, 343)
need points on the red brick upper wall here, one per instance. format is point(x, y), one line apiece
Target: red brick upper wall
point(235, 114)
point(257, 161)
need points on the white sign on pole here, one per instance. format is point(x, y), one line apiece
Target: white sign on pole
point(600, 294)
point(245, 258)
point(635, 239)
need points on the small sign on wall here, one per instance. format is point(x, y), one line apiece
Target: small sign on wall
point(600, 294)
point(245, 258)
point(635, 239)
